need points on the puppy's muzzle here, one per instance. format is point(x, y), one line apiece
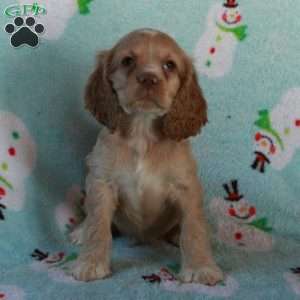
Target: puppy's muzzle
point(148, 80)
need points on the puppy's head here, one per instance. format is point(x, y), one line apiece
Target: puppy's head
point(147, 73)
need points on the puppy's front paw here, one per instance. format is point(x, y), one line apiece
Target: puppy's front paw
point(209, 275)
point(87, 269)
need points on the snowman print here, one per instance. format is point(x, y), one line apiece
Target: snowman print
point(58, 14)
point(70, 213)
point(11, 292)
point(54, 265)
point(237, 222)
point(278, 135)
point(214, 52)
point(169, 282)
point(17, 159)
point(293, 279)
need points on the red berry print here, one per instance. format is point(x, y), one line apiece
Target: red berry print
point(2, 296)
point(12, 151)
point(212, 50)
point(238, 236)
point(297, 123)
point(2, 192)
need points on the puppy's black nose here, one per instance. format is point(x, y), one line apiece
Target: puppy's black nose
point(147, 79)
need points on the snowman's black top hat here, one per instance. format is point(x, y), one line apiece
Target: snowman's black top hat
point(230, 3)
point(233, 192)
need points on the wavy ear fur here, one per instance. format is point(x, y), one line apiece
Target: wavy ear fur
point(100, 98)
point(188, 112)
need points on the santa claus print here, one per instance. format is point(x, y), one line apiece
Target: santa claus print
point(214, 52)
point(278, 134)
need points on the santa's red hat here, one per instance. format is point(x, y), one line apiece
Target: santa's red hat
point(230, 3)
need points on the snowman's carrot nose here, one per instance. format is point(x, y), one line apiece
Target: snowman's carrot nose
point(243, 209)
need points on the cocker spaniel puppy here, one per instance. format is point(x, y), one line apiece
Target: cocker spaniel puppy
point(142, 175)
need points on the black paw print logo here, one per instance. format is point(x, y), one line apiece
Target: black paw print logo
point(24, 34)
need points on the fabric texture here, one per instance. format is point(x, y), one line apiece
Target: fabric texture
point(247, 56)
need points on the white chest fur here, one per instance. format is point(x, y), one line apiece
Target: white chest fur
point(140, 181)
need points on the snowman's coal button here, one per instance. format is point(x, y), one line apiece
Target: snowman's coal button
point(219, 38)
point(208, 63)
point(238, 236)
point(4, 166)
point(287, 131)
point(15, 135)
point(12, 151)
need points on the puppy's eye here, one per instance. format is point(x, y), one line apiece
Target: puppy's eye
point(169, 66)
point(127, 61)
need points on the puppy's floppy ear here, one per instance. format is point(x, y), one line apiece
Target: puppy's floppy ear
point(188, 112)
point(100, 98)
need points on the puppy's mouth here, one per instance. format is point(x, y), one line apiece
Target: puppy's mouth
point(147, 102)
